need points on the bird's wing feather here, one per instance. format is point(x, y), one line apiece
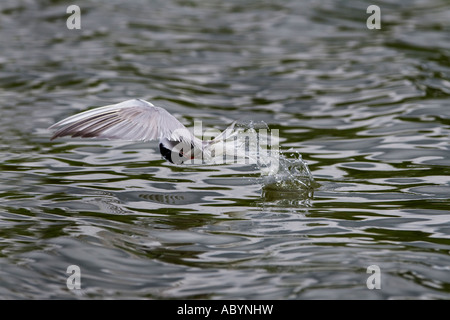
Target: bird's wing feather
point(133, 120)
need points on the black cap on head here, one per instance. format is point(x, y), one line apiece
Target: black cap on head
point(167, 154)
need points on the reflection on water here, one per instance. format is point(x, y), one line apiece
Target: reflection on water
point(363, 173)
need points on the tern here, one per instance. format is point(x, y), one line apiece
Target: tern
point(139, 120)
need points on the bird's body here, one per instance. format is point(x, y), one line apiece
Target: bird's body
point(139, 120)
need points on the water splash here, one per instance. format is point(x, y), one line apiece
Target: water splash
point(284, 174)
point(291, 184)
point(292, 174)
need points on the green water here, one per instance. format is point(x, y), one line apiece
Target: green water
point(367, 110)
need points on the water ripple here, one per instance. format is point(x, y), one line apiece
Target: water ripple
point(367, 111)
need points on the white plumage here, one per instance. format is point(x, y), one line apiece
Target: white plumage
point(139, 120)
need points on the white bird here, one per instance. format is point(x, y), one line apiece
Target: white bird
point(139, 120)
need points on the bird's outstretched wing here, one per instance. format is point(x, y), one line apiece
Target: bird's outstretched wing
point(132, 120)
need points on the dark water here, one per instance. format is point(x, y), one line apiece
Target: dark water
point(368, 110)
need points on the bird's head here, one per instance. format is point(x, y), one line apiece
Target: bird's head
point(175, 151)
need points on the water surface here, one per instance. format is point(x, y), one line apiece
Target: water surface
point(367, 110)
